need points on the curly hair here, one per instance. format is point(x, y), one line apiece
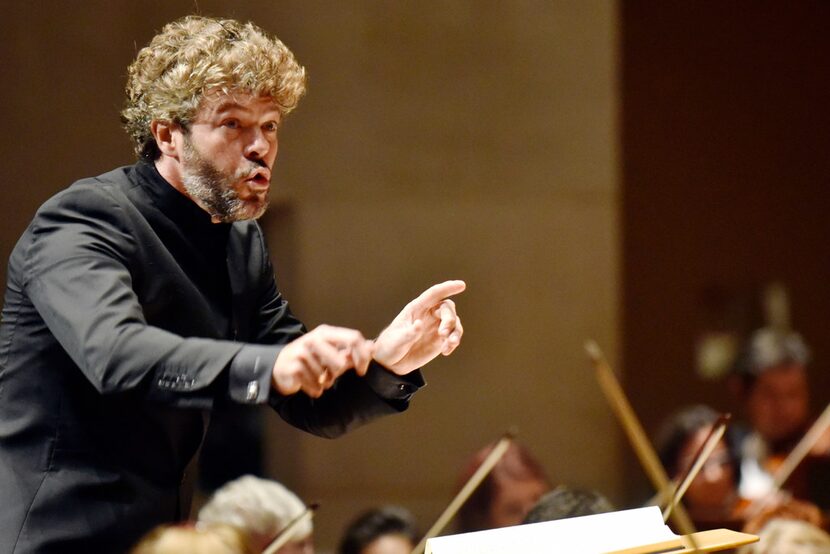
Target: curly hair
point(196, 54)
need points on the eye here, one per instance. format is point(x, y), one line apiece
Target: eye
point(231, 123)
point(270, 127)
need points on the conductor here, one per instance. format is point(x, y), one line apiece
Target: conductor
point(139, 299)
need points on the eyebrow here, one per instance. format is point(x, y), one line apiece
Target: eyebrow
point(229, 105)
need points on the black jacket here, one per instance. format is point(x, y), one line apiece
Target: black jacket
point(127, 316)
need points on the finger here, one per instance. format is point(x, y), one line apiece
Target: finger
point(333, 361)
point(453, 341)
point(447, 317)
point(298, 376)
point(285, 383)
point(436, 293)
point(310, 384)
point(341, 337)
point(362, 356)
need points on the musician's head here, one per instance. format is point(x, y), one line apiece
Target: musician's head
point(262, 508)
point(564, 502)
point(789, 536)
point(774, 387)
point(508, 493)
point(206, 539)
point(385, 530)
point(681, 437)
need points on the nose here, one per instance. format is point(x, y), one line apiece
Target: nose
point(258, 145)
point(712, 472)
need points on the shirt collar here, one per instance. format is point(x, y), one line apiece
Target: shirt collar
point(176, 206)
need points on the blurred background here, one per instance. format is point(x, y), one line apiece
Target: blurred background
point(633, 172)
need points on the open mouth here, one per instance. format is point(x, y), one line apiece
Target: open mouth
point(260, 178)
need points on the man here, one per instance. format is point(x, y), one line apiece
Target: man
point(774, 389)
point(139, 299)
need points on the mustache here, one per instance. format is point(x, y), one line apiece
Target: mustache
point(249, 168)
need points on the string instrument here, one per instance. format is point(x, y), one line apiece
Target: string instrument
point(288, 532)
point(469, 487)
point(699, 460)
point(636, 435)
point(782, 468)
point(785, 469)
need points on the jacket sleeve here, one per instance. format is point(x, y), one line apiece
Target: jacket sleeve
point(77, 277)
point(352, 400)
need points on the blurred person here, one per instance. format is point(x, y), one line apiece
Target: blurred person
point(508, 492)
point(193, 539)
point(772, 381)
point(139, 300)
point(565, 502)
point(385, 530)
point(261, 508)
point(712, 497)
point(787, 536)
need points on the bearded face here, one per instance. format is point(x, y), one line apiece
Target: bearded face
point(227, 195)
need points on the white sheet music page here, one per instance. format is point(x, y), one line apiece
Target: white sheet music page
point(579, 535)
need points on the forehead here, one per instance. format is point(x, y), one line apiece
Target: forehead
point(783, 376)
point(219, 102)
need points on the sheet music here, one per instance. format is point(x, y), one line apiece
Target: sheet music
point(580, 535)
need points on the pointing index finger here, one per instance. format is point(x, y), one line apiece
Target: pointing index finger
point(436, 293)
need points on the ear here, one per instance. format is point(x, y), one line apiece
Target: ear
point(168, 137)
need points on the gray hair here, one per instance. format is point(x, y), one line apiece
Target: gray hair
point(789, 536)
point(260, 507)
point(769, 348)
point(564, 502)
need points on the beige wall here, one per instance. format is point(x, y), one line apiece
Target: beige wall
point(465, 139)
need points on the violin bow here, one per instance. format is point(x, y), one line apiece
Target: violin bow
point(701, 456)
point(289, 530)
point(793, 459)
point(635, 433)
point(469, 487)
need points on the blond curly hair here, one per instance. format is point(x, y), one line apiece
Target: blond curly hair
point(196, 54)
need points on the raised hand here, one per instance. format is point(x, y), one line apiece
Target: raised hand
point(426, 327)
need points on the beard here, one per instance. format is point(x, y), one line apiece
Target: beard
point(214, 190)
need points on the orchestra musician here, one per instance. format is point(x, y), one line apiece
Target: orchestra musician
point(772, 381)
point(138, 300)
point(507, 494)
point(713, 499)
point(262, 509)
point(384, 530)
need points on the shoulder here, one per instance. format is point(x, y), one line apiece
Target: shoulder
point(92, 194)
point(85, 216)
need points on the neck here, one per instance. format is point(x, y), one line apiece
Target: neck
point(170, 169)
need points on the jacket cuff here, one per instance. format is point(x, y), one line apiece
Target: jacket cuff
point(249, 376)
point(395, 389)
